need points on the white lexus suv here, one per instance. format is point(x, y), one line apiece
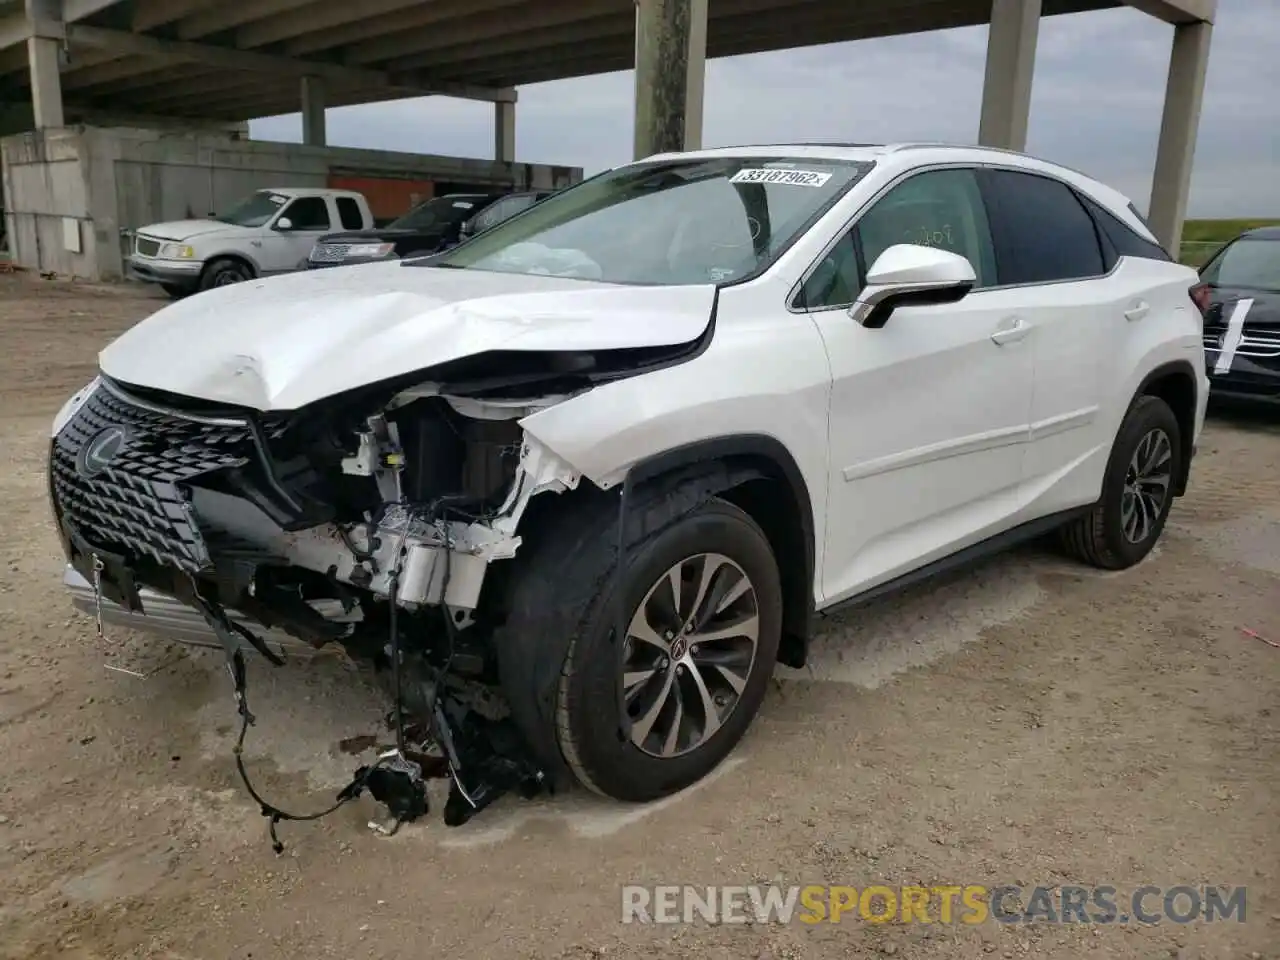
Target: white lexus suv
point(610, 458)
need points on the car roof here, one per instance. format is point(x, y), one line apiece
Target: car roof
point(1262, 233)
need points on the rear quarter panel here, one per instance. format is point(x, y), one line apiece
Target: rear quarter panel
point(1171, 333)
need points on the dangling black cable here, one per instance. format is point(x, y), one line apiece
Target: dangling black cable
point(273, 813)
point(392, 594)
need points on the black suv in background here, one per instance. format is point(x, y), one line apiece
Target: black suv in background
point(504, 209)
point(430, 227)
point(1242, 325)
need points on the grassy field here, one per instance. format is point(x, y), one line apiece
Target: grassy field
point(1201, 238)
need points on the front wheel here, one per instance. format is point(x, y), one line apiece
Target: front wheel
point(1137, 490)
point(703, 622)
point(222, 273)
point(702, 619)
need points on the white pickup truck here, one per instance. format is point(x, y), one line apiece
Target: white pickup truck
point(268, 232)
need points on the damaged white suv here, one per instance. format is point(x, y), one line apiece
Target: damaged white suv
point(611, 457)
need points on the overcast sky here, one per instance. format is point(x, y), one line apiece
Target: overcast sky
point(1096, 101)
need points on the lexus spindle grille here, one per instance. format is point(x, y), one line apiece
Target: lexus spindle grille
point(117, 473)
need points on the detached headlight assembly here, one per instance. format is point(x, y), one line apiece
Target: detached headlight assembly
point(177, 251)
point(370, 251)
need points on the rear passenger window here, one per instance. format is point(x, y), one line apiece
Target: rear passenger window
point(1042, 231)
point(349, 214)
point(1121, 237)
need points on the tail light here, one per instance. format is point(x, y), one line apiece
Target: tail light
point(1201, 298)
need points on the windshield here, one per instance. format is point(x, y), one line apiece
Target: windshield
point(697, 220)
point(1246, 263)
point(439, 212)
point(255, 209)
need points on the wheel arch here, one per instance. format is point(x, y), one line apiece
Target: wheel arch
point(749, 470)
point(1175, 383)
point(233, 255)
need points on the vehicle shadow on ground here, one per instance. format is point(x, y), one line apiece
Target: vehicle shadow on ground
point(319, 717)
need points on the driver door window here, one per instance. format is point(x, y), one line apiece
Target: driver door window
point(309, 219)
point(940, 208)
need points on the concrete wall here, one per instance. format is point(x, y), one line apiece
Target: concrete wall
point(113, 180)
point(46, 204)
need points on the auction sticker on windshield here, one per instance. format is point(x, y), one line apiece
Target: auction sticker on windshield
point(793, 178)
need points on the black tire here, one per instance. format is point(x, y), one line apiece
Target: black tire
point(174, 292)
point(1099, 537)
point(221, 273)
point(564, 607)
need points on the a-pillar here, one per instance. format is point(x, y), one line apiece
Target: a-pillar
point(504, 132)
point(1184, 93)
point(671, 64)
point(313, 131)
point(43, 56)
point(1011, 60)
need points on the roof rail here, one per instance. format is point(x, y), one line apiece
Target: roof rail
point(934, 145)
point(924, 145)
point(800, 143)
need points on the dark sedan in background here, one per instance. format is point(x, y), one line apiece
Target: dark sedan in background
point(1242, 325)
point(430, 227)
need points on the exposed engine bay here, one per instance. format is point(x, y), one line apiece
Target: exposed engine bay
point(394, 501)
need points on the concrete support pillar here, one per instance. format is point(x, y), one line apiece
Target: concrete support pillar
point(1011, 59)
point(44, 62)
point(1184, 93)
point(313, 132)
point(504, 132)
point(671, 64)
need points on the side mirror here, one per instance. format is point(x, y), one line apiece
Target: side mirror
point(911, 275)
point(284, 223)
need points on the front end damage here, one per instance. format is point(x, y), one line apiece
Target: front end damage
point(376, 520)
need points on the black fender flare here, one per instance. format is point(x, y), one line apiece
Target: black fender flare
point(673, 483)
point(715, 466)
point(1170, 372)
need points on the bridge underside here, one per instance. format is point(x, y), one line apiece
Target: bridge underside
point(229, 60)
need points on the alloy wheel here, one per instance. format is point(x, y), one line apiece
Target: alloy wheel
point(688, 655)
point(1146, 485)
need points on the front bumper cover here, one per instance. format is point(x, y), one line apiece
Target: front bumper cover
point(171, 273)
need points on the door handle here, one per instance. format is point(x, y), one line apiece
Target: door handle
point(1011, 330)
point(1137, 311)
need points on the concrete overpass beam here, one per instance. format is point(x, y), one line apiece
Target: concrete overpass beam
point(43, 52)
point(504, 132)
point(313, 96)
point(1184, 94)
point(1011, 60)
point(1178, 11)
point(671, 63)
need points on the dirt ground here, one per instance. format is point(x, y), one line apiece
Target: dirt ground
point(1028, 722)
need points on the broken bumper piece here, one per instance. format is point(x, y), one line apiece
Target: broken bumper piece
point(482, 757)
point(173, 620)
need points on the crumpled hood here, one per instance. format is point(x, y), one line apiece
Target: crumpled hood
point(188, 229)
point(285, 342)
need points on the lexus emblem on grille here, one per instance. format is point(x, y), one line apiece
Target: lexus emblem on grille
point(100, 449)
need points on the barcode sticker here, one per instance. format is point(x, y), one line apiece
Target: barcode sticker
point(790, 178)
